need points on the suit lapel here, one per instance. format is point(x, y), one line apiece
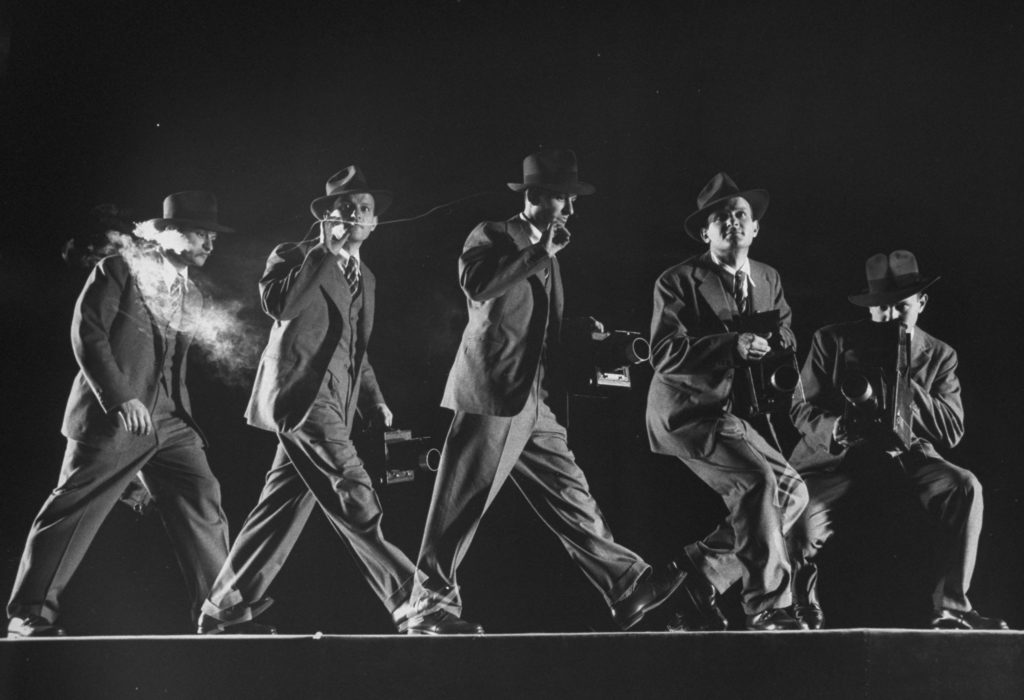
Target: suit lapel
point(920, 352)
point(762, 294)
point(709, 285)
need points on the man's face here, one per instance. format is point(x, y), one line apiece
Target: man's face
point(195, 247)
point(730, 227)
point(906, 310)
point(356, 213)
point(553, 207)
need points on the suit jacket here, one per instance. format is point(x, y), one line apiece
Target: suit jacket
point(694, 352)
point(119, 344)
point(510, 314)
point(306, 294)
point(937, 408)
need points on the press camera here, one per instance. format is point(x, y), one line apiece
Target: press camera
point(765, 386)
point(394, 456)
point(603, 359)
point(878, 393)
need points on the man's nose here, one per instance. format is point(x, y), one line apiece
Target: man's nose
point(568, 209)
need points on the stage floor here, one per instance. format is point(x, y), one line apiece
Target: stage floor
point(853, 663)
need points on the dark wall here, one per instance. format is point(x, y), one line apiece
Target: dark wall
point(874, 128)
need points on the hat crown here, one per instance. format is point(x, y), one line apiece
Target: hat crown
point(892, 272)
point(718, 187)
point(194, 205)
point(553, 169)
point(553, 165)
point(350, 179)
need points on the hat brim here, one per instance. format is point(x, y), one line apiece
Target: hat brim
point(888, 298)
point(563, 188)
point(695, 222)
point(194, 223)
point(382, 199)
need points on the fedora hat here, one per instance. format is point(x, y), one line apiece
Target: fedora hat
point(192, 208)
point(552, 169)
point(720, 188)
point(349, 180)
point(891, 278)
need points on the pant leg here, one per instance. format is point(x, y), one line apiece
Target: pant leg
point(764, 497)
point(557, 490)
point(952, 497)
point(264, 542)
point(322, 453)
point(826, 491)
point(187, 496)
point(91, 479)
point(478, 456)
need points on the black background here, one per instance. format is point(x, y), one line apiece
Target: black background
point(874, 127)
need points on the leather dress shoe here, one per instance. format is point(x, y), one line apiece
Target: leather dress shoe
point(969, 620)
point(773, 620)
point(33, 626)
point(438, 623)
point(810, 614)
point(211, 625)
point(208, 624)
point(698, 610)
point(648, 594)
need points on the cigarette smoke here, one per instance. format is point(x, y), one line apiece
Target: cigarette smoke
point(225, 329)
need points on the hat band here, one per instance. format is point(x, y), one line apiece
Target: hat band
point(894, 283)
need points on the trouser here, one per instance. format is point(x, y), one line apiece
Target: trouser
point(764, 497)
point(173, 467)
point(950, 495)
point(315, 465)
point(479, 454)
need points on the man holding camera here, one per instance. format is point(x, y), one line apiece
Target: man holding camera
point(697, 350)
point(313, 376)
point(503, 428)
point(834, 455)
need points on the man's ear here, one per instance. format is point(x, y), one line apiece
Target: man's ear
point(922, 299)
point(704, 235)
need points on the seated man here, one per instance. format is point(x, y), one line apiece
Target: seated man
point(833, 455)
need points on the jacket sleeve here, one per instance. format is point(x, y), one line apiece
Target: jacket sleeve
point(97, 308)
point(939, 411)
point(491, 263)
point(814, 411)
point(369, 391)
point(785, 317)
point(292, 278)
point(674, 348)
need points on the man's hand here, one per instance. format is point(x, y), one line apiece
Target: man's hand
point(555, 236)
point(135, 417)
point(752, 347)
point(840, 436)
point(333, 236)
point(384, 414)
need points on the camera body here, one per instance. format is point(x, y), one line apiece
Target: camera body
point(877, 391)
point(394, 456)
point(767, 385)
point(602, 360)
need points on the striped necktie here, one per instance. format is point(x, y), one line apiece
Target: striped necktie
point(352, 274)
point(739, 292)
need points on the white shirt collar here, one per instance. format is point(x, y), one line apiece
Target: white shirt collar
point(745, 267)
point(344, 255)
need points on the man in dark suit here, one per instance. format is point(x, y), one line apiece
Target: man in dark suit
point(503, 427)
point(696, 350)
point(312, 378)
point(833, 458)
point(129, 413)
